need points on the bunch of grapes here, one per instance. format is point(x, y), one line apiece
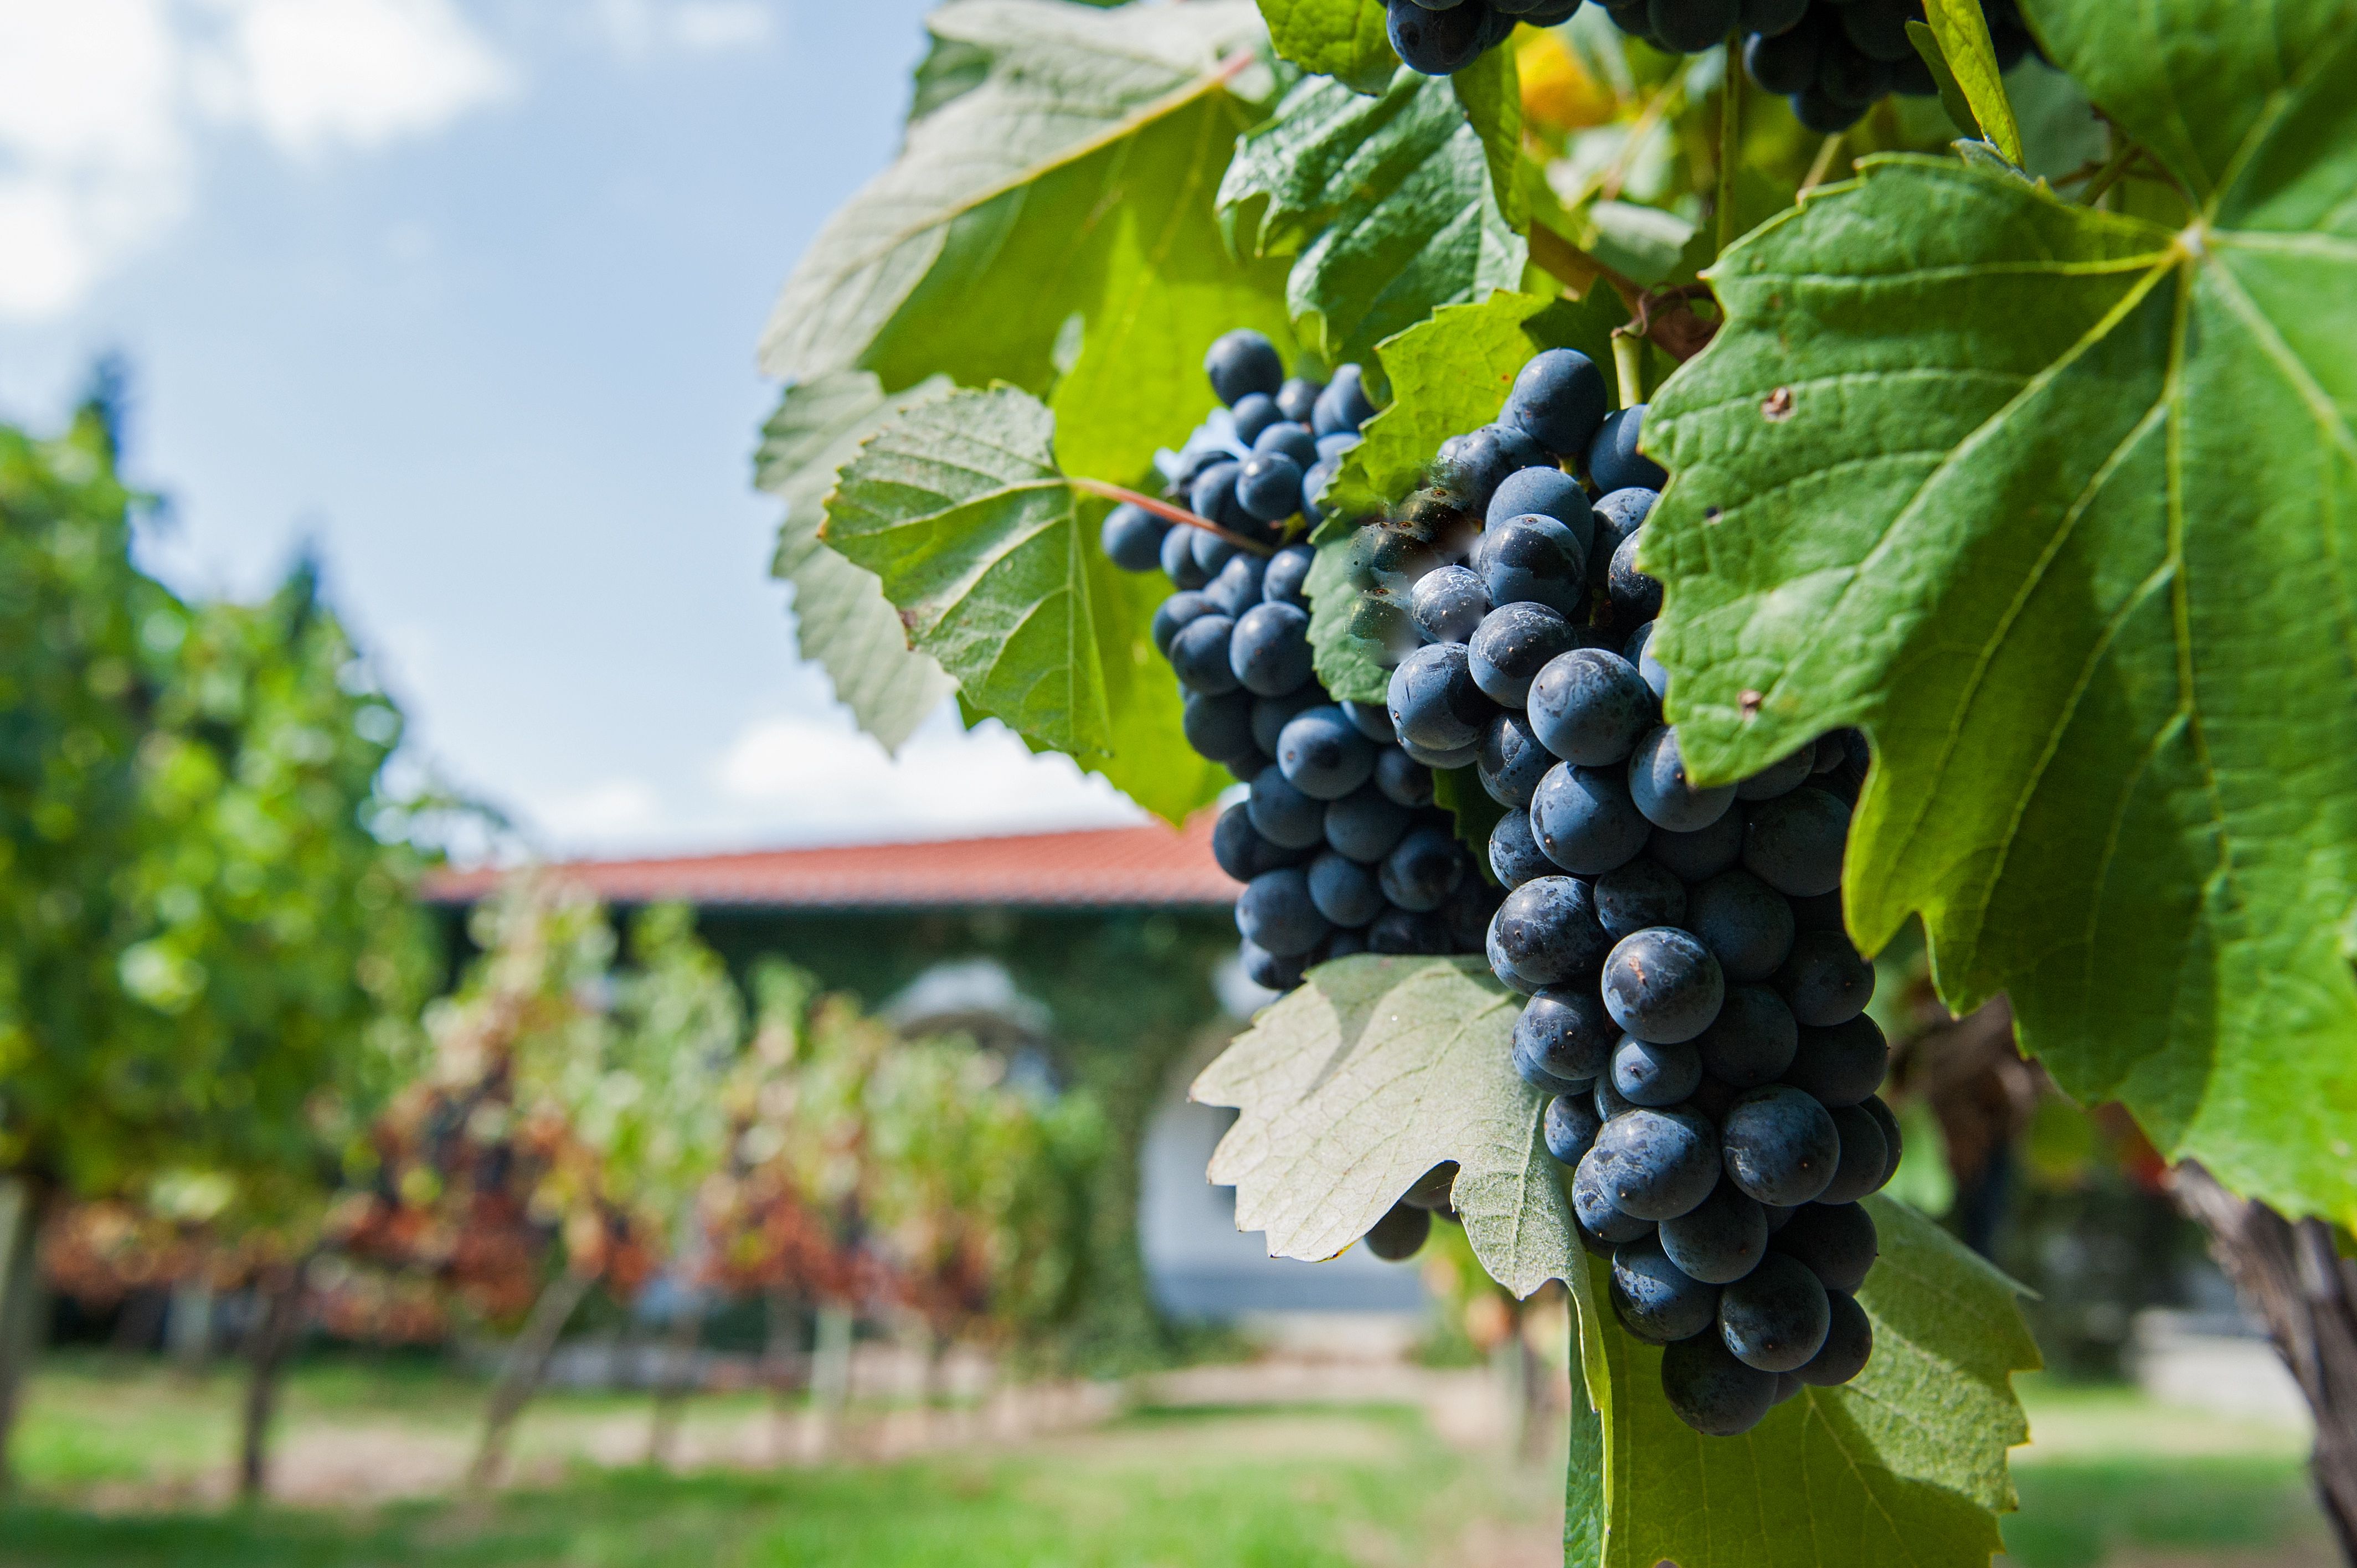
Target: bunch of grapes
point(1338, 845)
point(1832, 59)
point(1441, 37)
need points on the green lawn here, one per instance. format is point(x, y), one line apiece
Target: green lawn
point(118, 1461)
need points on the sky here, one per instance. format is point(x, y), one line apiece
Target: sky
point(462, 295)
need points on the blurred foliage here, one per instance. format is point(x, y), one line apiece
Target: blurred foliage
point(209, 959)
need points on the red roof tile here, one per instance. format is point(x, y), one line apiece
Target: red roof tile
point(1104, 868)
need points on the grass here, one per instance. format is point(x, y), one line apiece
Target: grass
point(113, 1457)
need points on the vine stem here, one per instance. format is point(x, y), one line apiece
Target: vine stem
point(1167, 512)
point(2109, 175)
point(1824, 164)
point(1730, 138)
point(1629, 360)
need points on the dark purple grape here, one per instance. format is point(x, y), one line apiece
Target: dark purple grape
point(1862, 1156)
point(1591, 707)
point(1570, 1127)
point(1241, 363)
point(1776, 1317)
point(1276, 912)
point(1794, 843)
point(1321, 754)
point(1511, 762)
point(1638, 895)
point(1448, 604)
point(1268, 650)
point(1662, 790)
point(1712, 1392)
point(1536, 560)
point(1721, 1241)
point(1746, 924)
point(1584, 820)
point(1613, 461)
point(1836, 1241)
point(1366, 825)
point(1781, 1145)
point(1699, 856)
point(1132, 537)
point(1656, 1076)
point(1515, 857)
point(1654, 1299)
point(1423, 870)
point(1567, 1032)
point(1849, 1344)
point(1433, 700)
point(1656, 1165)
point(1547, 932)
point(1841, 1065)
point(1282, 814)
point(1402, 778)
point(1753, 1039)
point(1545, 492)
point(1825, 980)
point(1662, 986)
point(1344, 891)
point(1592, 1203)
point(1400, 1234)
point(1559, 399)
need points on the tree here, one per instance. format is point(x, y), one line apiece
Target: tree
point(215, 961)
point(2017, 455)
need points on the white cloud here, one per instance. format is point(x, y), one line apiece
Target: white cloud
point(312, 74)
point(620, 809)
point(104, 105)
point(633, 28)
point(816, 779)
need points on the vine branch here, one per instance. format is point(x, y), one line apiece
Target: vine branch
point(1167, 512)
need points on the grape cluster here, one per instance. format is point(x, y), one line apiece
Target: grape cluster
point(1441, 37)
point(1832, 60)
point(1338, 843)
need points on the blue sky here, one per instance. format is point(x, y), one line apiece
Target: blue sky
point(465, 292)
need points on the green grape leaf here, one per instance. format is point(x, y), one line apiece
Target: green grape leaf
point(841, 618)
point(1351, 663)
point(1358, 1083)
point(1385, 203)
point(1961, 31)
point(2051, 501)
point(1491, 92)
point(1906, 1464)
point(1341, 38)
point(1041, 122)
point(1450, 374)
point(959, 509)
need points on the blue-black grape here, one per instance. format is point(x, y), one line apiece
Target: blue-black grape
point(1423, 870)
point(1534, 559)
point(1584, 822)
point(1613, 461)
point(1549, 932)
point(1849, 1344)
point(1567, 1031)
point(1570, 1127)
point(1661, 985)
point(1656, 1076)
point(1655, 1300)
point(1200, 655)
point(1342, 407)
point(1402, 778)
point(1276, 912)
point(1133, 538)
point(1635, 597)
point(1721, 1240)
point(1406, 931)
point(1847, 75)
point(1344, 891)
point(1753, 1039)
point(1781, 1145)
point(1366, 825)
point(1592, 1203)
point(1511, 762)
point(1663, 791)
point(1173, 614)
point(1521, 452)
point(1314, 482)
point(1879, 28)
point(1699, 856)
point(1836, 1242)
point(1269, 486)
point(1439, 43)
point(1656, 1165)
point(1268, 649)
point(1213, 497)
point(1589, 706)
point(1322, 756)
point(1297, 399)
point(1470, 469)
point(1711, 1391)
point(1282, 814)
point(1794, 841)
point(1434, 701)
point(1533, 1071)
point(1863, 1156)
point(1825, 980)
point(1253, 414)
point(1374, 721)
point(1778, 778)
point(1271, 714)
point(1840, 1065)
point(1290, 439)
point(1611, 1102)
point(1894, 1143)
point(1237, 588)
point(1775, 1317)
point(1638, 895)
point(1286, 581)
point(1515, 857)
point(1178, 561)
point(1267, 971)
point(1545, 492)
point(1221, 728)
point(1559, 399)
point(1618, 515)
point(1691, 27)
point(1466, 913)
point(1243, 363)
point(1783, 62)
point(1746, 924)
point(1210, 551)
point(1441, 761)
point(1512, 645)
point(1448, 605)
point(1240, 850)
point(1400, 1233)
point(1771, 16)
